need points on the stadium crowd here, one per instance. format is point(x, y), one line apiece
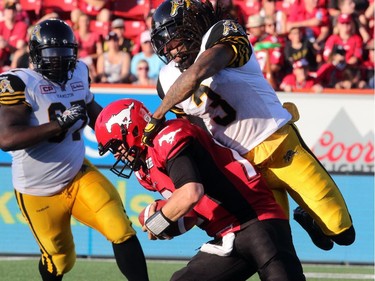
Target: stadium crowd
point(299, 44)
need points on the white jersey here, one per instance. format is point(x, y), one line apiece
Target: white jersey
point(47, 167)
point(237, 105)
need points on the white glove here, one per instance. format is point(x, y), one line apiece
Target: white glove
point(224, 250)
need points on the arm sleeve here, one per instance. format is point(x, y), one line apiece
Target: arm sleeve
point(182, 168)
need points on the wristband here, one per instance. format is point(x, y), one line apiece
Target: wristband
point(157, 223)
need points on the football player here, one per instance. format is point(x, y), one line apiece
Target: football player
point(212, 73)
point(251, 232)
point(43, 112)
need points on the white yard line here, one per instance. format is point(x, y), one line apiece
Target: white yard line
point(340, 275)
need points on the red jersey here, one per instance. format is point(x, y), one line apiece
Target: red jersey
point(301, 14)
point(290, 80)
point(93, 10)
point(250, 7)
point(19, 32)
point(12, 36)
point(234, 191)
point(353, 46)
point(87, 47)
point(328, 75)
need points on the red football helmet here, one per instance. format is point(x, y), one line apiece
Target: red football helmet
point(122, 122)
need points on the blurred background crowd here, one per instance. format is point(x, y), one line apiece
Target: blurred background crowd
point(300, 44)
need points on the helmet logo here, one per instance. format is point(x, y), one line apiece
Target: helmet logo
point(228, 26)
point(176, 4)
point(122, 118)
point(36, 32)
point(168, 138)
point(5, 86)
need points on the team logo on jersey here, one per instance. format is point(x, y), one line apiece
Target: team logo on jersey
point(168, 138)
point(47, 89)
point(122, 118)
point(77, 86)
point(229, 26)
point(176, 4)
point(5, 86)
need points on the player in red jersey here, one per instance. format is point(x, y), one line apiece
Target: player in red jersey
point(251, 232)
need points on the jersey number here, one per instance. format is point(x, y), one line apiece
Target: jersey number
point(58, 107)
point(217, 101)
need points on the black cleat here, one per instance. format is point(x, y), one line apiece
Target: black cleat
point(316, 234)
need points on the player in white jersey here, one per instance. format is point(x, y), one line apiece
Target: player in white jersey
point(212, 73)
point(43, 111)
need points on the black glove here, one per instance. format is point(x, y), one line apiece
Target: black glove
point(151, 130)
point(71, 116)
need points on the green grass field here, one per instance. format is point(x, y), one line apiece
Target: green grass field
point(106, 270)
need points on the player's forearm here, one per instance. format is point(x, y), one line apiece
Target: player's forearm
point(182, 88)
point(183, 200)
point(21, 137)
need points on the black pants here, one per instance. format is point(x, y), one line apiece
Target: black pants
point(265, 247)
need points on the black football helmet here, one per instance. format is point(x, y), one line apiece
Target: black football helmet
point(183, 21)
point(53, 50)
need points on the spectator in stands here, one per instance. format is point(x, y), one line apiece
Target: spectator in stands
point(271, 29)
point(13, 33)
point(113, 66)
point(74, 18)
point(148, 23)
point(89, 44)
point(347, 38)
point(99, 13)
point(118, 27)
point(367, 67)
point(21, 14)
point(147, 53)
point(348, 7)
point(271, 10)
point(314, 19)
point(50, 15)
point(336, 7)
point(248, 7)
point(148, 19)
point(143, 78)
point(20, 58)
point(99, 10)
point(299, 47)
point(230, 10)
point(300, 78)
point(268, 49)
point(367, 18)
point(332, 72)
point(351, 79)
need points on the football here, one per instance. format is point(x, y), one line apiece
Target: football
point(177, 228)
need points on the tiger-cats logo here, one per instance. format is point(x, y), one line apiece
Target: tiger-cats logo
point(176, 4)
point(5, 86)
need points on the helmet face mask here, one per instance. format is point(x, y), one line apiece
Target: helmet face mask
point(119, 129)
point(53, 50)
point(130, 160)
point(184, 21)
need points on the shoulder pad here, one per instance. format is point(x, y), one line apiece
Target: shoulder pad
point(12, 89)
point(231, 33)
point(172, 139)
point(222, 29)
